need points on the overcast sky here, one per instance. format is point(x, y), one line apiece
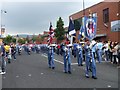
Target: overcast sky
point(34, 17)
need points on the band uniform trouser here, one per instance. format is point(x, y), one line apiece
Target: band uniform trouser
point(79, 56)
point(67, 62)
point(91, 64)
point(51, 58)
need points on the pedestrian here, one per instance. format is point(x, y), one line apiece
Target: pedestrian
point(118, 51)
point(3, 61)
point(106, 50)
point(111, 46)
point(99, 51)
point(8, 52)
point(115, 53)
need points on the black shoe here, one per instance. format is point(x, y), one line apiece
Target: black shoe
point(65, 72)
point(69, 72)
point(81, 64)
point(94, 77)
point(53, 67)
point(9, 62)
point(87, 76)
point(49, 67)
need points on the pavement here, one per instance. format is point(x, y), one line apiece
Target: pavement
point(31, 71)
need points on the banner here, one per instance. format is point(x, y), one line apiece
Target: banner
point(90, 27)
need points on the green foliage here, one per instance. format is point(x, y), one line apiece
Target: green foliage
point(14, 40)
point(60, 31)
point(22, 41)
point(8, 39)
point(34, 38)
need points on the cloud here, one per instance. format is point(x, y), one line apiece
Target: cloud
point(34, 17)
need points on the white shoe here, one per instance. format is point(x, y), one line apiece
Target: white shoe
point(2, 73)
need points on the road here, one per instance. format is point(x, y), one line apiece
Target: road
point(31, 71)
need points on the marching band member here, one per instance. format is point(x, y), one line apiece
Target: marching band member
point(51, 56)
point(79, 55)
point(90, 61)
point(67, 59)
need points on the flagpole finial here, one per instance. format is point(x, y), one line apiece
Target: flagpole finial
point(71, 17)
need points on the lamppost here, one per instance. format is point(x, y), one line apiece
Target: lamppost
point(2, 29)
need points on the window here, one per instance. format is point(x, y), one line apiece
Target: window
point(106, 15)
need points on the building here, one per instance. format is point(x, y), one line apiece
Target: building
point(108, 20)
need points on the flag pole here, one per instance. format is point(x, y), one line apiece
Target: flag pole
point(71, 39)
point(83, 8)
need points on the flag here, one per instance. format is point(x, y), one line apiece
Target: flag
point(81, 32)
point(71, 29)
point(90, 27)
point(82, 29)
point(51, 34)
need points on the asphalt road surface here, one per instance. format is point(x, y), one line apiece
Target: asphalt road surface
point(31, 71)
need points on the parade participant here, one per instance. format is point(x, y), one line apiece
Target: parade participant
point(19, 49)
point(8, 52)
point(51, 56)
point(3, 61)
point(89, 58)
point(94, 48)
point(67, 59)
point(79, 54)
point(28, 49)
point(61, 48)
point(99, 51)
point(58, 49)
point(13, 51)
point(74, 49)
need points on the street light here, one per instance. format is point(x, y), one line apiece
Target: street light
point(2, 30)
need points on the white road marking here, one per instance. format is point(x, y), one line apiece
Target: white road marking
point(74, 63)
point(42, 73)
point(45, 55)
point(109, 86)
point(29, 75)
point(54, 59)
point(58, 61)
point(17, 76)
point(4, 77)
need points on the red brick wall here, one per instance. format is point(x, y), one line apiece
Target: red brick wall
point(114, 8)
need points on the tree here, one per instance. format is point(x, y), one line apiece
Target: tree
point(34, 38)
point(60, 31)
point(8, 39)
point(14, 40)
point(21, 41)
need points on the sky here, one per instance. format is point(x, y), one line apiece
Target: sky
point(34, 16)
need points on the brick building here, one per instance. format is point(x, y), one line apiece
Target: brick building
point(108, 20)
